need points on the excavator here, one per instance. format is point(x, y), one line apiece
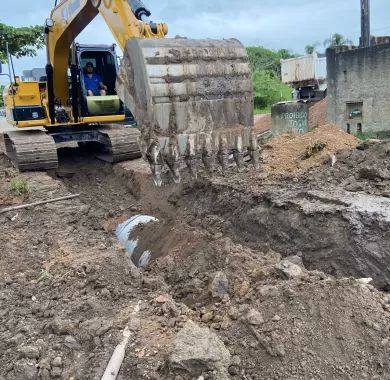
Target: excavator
point(191, 99)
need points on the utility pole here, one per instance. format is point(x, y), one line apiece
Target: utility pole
point(365, 20)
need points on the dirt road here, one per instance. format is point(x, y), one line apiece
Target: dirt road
point(247, 282)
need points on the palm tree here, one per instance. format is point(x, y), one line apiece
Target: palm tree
point(337, 39)
point(310, 49)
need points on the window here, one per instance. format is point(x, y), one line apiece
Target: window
point(354, 110)
point(359, 128)
point(348, 128)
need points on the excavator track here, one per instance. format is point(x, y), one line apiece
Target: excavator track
point(120, 143)
point(31, 150)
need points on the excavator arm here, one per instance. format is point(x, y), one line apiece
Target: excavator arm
point(70, 17)
point(192, 99)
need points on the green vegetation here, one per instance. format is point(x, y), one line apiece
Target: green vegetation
point(381, 135)
point(23, 42)
point(313, 148)
point(20, 186)
point(266, 76)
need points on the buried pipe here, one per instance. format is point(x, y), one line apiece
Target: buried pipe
point(123, 232)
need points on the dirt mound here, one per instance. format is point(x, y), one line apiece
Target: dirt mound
point(292, 153)
point(318, 114)
point(279, 320)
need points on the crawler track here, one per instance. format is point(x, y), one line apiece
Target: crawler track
point(31, 150)
point(121, 143)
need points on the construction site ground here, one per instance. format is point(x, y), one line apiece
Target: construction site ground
point(255, 275)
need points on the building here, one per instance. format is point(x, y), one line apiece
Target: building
point(359, 87)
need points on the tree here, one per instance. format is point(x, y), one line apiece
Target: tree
point(23, 42)
point(262, 59)
point(310, 49)
point(337, 39)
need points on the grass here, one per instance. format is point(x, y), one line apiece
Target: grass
point(363, 136)
point(19, 186)
point(261, 111)
point(315, 147)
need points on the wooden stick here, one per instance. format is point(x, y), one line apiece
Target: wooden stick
point(38, 203)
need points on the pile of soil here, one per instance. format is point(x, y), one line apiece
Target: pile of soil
point(318, 114)
point(236, 256)
point(287, 154)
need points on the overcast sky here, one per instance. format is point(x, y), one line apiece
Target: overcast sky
point(275, 24)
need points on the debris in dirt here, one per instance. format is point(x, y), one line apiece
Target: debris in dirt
point(373, 173)
point(29, 352)
point(71, 343)
point(254, 317)
point(197, 351)
point(219, 286)
point(283, 154)
point(117, 357)
point(288, 269)
point(38, 203)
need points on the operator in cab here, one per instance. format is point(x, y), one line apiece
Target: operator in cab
point(93, 82)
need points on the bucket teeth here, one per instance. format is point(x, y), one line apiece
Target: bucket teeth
point(156, 162)
point(254, 151)
point(223, 154)
point(238, 153)
point(172, 160)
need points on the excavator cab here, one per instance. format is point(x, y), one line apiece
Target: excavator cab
point(105, 65)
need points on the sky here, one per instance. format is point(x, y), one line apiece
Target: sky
point(275, 24)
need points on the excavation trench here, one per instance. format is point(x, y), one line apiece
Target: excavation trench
point(340, 233)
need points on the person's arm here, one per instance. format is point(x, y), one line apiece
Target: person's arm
point(101, 84)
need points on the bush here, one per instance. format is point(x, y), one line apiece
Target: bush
point(268, 89)
point(20, 186)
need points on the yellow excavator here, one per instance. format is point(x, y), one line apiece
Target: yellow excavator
point(191, 99)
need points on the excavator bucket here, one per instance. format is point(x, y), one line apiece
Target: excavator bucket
point(193, 102)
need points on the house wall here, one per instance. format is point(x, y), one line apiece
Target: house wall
point(359, 81)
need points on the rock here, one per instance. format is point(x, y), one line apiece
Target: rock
point(234, 370)
point(233, 313)
point(198, 350)
point(26, 370)
point(207, 317)
point(44, 369)
point(354, 187)
point(57, 362)
point(63, 327)
point(96, 326)
point(254, 317)
point(219, 285)
point(244, 288)
point(71, 343)
point(56, 373)
point(288, 269)
point(295, 259)
point(276, 318)
point(236, 360)
point(373, 173)
point(29, 352)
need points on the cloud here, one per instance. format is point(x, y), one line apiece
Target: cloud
point(275, 24)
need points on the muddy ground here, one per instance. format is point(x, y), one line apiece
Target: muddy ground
point(254, 276)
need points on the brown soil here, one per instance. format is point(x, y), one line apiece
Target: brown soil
point(68, 289)
point(318, 114)
point(286, 154)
